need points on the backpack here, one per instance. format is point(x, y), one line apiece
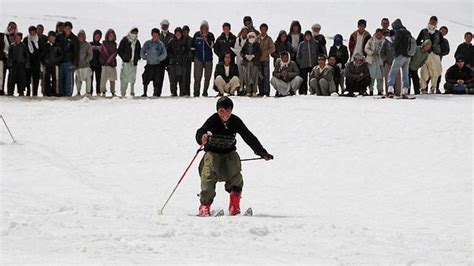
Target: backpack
point(411, 49)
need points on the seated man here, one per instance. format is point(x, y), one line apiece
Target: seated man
point(459, 78)
point(286, 79)
point(321, 79)
point(227, 76)
point(337, 71)
point(357, 76)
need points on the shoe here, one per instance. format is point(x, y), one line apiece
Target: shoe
point(371, 93)
point(204, 94)
point(132, 94)
point(144, 95)
point(204, 210)
point(248, 94)
point(379, 93)
point(254, 94)
point(234, 203)
point(390, 95)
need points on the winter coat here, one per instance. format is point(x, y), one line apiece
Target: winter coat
point(400, 40)
point(435, 39)
point(307, 54)
point(4, 46)
point(69, 48)
point(387, 53)
point(179, 52)
point(226, 132)
point(291, 68)
point(419, 59)
point(353, 41)
point(203, 46)
point(444, 45)
point(153, 52)
point(297, 35)
point(126, 52)
point(51, 55)
point(95, 62)
point(166, 38)
point(326, 73)
point(18, 55)
point(353, 71)
point(341, 53)
point(190, 44)
point(239, 44)
point(220, 71)
point(467, 50)
point(267, 46)
point(373, 49)
point(321, 42)
point(454, 73)
point(281, 46)
point(251, 49)
point(223, 44)
point(35, 55)
point(108, 51)
point(85, 55)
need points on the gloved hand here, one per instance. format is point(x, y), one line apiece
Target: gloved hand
point(266, 156)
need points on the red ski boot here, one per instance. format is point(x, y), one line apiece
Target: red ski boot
point(234, 204)
point(205, 210)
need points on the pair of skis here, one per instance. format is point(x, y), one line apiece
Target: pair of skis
point(220, 212)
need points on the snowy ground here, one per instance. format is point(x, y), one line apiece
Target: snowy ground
point(353, 181)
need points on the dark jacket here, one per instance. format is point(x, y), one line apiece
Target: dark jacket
point(223, 44)
point(290, 33)
point(3, 56)
point(435, 40)
point(190, 43)
point(251, 49)
point(69, 48)
point(18, 55)
point(353, 41)
point(444, 46)
point(166, 39)
point(467, 50)
point(108, 51)
point(400, 40)
point(203, 46)
point(125, 50)
point(307, 55)
point(35, 56)
point(51, 55)
point(321, 42)
point(291, 69)
point(220, 71)
point(281, 46)
point(341, 53)
point(95, 62)
point(223, 135)
point(179, 52)
point(454, 73)
point(353, 71)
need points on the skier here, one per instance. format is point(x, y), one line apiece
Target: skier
point(221, 162)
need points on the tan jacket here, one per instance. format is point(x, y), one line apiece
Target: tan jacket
point(267, 46)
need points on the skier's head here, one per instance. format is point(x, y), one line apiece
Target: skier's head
point(224, 108)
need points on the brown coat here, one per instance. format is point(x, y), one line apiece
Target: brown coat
point(353, 41)
point(267, 47)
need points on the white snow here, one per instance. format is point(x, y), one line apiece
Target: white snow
point(353, 181)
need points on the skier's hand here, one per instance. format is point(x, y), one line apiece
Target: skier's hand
point(266, 156)
point(204, 139)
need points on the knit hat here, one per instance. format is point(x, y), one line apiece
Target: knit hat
point(224, 102)
point(204, 23)
point(81, 32)
point(316, 26)
point(359, 56)
point(338, 39)
point(134, 30)
point(460, 57)
point(164, 22)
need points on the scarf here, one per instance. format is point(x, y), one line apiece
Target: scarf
point(32, 40)
point(431, 29)
point(132, 38)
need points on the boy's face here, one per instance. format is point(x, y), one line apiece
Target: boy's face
point(224, 114)
point(51, 39)
point(17, 39)
point(332, 60)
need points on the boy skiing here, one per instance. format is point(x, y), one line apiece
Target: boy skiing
point(221, 162)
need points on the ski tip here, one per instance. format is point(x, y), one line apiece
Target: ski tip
point(248, 212)
point(160, 212)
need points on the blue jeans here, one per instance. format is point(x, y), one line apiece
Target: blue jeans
point(66, 79)
point(403, 63)
point(264, 82)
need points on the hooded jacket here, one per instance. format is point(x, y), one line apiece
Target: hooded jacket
point(108, 50)
point(307, 55)
point(85, 53)
point(282, 46)
point(339, 50)
point(435, 39)
point(400, 40)
point(129, 48)
point(95, 62)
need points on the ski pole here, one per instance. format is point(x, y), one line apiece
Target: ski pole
point(8, 129)
point(252, 159)
point(160, 212)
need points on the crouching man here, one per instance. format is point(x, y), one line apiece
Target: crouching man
point(227, 76)
point(286, 79)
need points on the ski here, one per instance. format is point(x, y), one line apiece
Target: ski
point(218, 213)
point(248, 212)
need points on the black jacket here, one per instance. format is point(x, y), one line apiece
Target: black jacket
point(18, 55)
point(125, 51)
point(223, 44)
point(69, 48)
point(400, 42)
point(220, 71)
point(51, 55)
point(35, 56)
point(227, 132)
point(454, 73)
point(342, 54)
point(282, 46)
point(435, 40)
point(95, 62)
point(467, 50)
point(179, 52)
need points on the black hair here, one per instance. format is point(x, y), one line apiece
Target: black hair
point(264, 25)
point(226, 24)
point(224, 102)
point(435, 18)
point(155, 30)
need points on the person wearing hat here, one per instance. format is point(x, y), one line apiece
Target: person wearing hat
point(17, 63)
point(306, 58)
point(33, 72)
point(221, 162)
point(282, 44)
point(295, 36)
point(204, 43)
point(319, 38)
point(178, 53)
point(51, 58)
point(165, 36)
point(340, 52)
point(388, 54)
point(433, 68)
point(83, 71)
point(467, 50)
point(459, 78)
point(108, 60)
point(187, 73)
point(225, 42)
point(357, 76)
point(251, 54)
point(69, 45)
point(95, 62)
point(417, 61)
point(286, 79)
point(129, 51)
point(248, 22)
point(359, 39)
point(154, 52)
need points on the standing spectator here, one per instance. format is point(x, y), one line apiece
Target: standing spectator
point(337, 72)
point(248, 22)
point(295, 37)
point(251, 54)
point(165, 36)
point(286, 79)
point(282, 44)
point(374, 59)
point(33, 72)
point(59, 27)
point(17, 63)
point(239, 44)
point(417, 61)
point(267, 47)
point(387, 54)
point(43, 40)
point(359, 39)
point(306, 58)
point(224, 43)
point(108, 61)
point(187, 73)
point(444, 45)
point(129, 51)
point(322, 78)
point(357, 76)
point(432, 69)
point(340, 52)
point(83, 71)
point(51, 58)
point(459, 78)
point(12, 28)
point(95, 62)
point(385, 24)
point(179, 53)
point(69, 45)
point(154, 52)
point(467, 50)
point(401, 59)
point(203, 42)
point(4, 47)
point(227, 76)
point(319, 39)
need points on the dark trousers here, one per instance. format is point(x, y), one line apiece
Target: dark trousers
point(97, 71)
point(304, 74)
point(4, 76)
point(264, 81)
point(360, 86)
point(33, 78)
point(176, 75)
point(50, 81)
point(17, 76)
point(66, 79)
point(186, 91)
point(415, 79)
point(155, 73)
